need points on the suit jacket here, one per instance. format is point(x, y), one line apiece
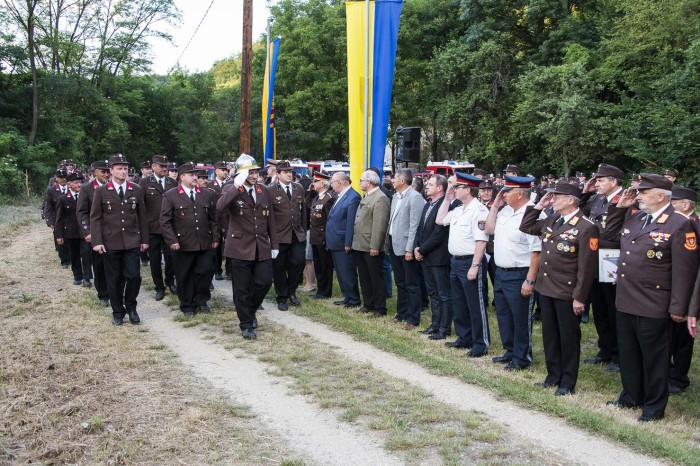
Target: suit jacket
point(340, 225)
point(320, 206)
point(371, 222)
point(193, 226)
point(290, 214)
point(405, 221)
point(48, 209)
point(118, 224)
point(569, 254)
point(658, 263)
point(251, 225)
point(431, 238)
point(153, 198)
point(66, 218)
point(87, 194)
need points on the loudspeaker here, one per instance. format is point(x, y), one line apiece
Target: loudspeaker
point(408, 145)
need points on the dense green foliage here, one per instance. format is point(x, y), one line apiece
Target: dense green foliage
point(553, 85)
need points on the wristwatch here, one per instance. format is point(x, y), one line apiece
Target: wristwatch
point(529, 282)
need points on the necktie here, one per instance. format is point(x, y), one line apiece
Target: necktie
point(192, 196)
point(560, 222)
point(250, 193)
point(76, 197)
point(289, 193)
point(162, 183)
point(121, 193)
point(647, 221)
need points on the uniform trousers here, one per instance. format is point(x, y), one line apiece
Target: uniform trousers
point(561, 338)
point(193, 272)
point(345, 265)
point(408, 289)
point(62, 250)
point(288, 267)
point(79, 258)
point(323, 267)
point(437, 281)
point(681, 354)
point(157, 249)
point(643, 343)
point(514, 314)
point(98, 267)
point(86, 253)
point(388, 281)
point(219, 256)
point(253, 281)
point(370, 269)
point(469, 304)
point(123, 274)
point(602, 300)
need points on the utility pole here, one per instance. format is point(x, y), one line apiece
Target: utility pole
point(247, 55)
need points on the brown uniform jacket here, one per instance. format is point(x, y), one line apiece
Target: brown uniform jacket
point(290, 215)
point(569, 254)
point(658, 264)
point(153, 198)
point(251, 225)
point(87, 194)
point(50, 204)
point(117, 224)
point(319, 208)
point(193, 226)
point(66, 217)
point(598, 209)
point(216, 185)
point(371, 222)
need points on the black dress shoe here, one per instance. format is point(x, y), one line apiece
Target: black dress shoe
point(145, 263)
point(134, 318)
point(613, 367)
point(320, 296)
point(584, 318)
point(211, 286)
point(438, 336)
point(377, 314)
point(282, 306)
point(255, 323)
point(118, 320)
point(78, 282)
point(294, 300)
point(428, 331)
point(477, 354)
point(160, 294)
point(563, 391)
point(65, 266)
point(188, 313)
point(501, 359)
point(173, 288)
point(340, 302)
point(204, 308)
point(364, 310)
point(650, 417)
point(104, 302)
point(261, 308)
point(596, 360)
point(674, 389)
point(218, 276)
point(87, 283)
point(249, 334)
point(513, 367)
point(545, 384)
point(456, 344)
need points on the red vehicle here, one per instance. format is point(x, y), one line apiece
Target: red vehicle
point(449, 167)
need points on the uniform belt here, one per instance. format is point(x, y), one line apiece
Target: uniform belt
point(463, 258)
point(514, 269)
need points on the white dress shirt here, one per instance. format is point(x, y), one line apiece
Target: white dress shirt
point(464, 222)
point(511, 247)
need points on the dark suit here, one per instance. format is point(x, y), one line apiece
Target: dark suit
point(339, 233)
point(193, 227)
point(323, 260)
point(87, 194)
point(48, 213)
point(656, 276)
point(157, 247)
point(68, 229)
point(121, 227)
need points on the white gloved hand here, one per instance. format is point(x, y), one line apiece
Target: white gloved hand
point(240, 178)
point(275, 253)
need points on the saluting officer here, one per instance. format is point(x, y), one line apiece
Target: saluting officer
point(119, 230)
point(188, 223)
point(48, 212)
point(290, 221)
point(220, 174)
point(321, 205)
point(656, 274)
point(569, 247)
point(68, 232)
point(600, 195)
point(251, 240)
point(87, 194)
point(154, 187)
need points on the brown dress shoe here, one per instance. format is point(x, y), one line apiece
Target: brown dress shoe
point(409, 326)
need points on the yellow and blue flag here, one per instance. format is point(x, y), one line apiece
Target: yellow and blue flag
point(269, 131)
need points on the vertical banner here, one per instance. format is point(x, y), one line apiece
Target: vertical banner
point(383, 24)
point(269, 131)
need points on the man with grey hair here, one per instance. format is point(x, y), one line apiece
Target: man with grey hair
point(371, 223)
point(656, 274)
point(406, 209)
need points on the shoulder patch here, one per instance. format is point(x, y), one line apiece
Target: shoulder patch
point(615, 199)
point(691, 241)
point(481, 224)
point(593, 243)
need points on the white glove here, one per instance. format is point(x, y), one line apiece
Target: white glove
point(275, 253)
point(240, 178)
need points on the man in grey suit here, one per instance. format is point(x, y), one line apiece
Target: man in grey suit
point(371, 223)
point(406, 209)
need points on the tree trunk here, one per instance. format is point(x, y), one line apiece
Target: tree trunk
point(31, 5)
point(244, 139)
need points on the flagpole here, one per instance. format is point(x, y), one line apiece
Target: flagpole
point(366, 103)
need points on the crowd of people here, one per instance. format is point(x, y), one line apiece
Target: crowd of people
point(563, 246)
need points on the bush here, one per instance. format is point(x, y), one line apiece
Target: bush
point(18, 157)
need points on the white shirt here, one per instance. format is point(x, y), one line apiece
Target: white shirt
point(610, 197)
point(160, 181)
point(656, 214)
point(341, 194)
point(464, 227)
point(188, 190)
point(512, 247)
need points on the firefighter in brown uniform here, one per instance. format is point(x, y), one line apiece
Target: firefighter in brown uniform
point(656, 274)
point(48, 212)
point(600, 195)
point(220, 174)
point(87, 194)
point(154, 187)
point(251, 240)
point(321, 204)
point(119, 230)
point(290, 220)
point(564, 278)
point(68, 232)
point(188, 223)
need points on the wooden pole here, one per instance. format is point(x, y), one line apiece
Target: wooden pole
point(247, 55)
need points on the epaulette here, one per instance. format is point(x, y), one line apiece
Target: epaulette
point(588, 220)
point(681, 213)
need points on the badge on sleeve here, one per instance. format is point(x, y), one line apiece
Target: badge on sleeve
point(593, 243)
point(691, 243)
point(482, 225)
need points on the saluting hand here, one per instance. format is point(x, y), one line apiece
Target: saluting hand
point(240, 178)
point(627, 198)
point(590, 186)
point(450, 195)
point(546, 201)
point(500, 199)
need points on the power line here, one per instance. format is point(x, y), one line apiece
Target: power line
point(194, 33)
